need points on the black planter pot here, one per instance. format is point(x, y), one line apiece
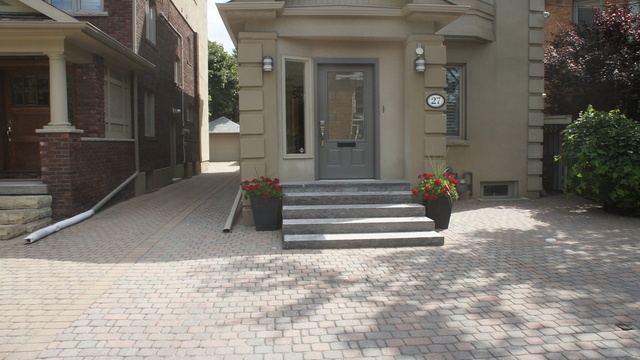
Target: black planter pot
point(267, 213)
point(439, 210)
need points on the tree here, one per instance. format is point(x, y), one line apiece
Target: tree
point(223, 83)
point(602, 153)
point(596, 64)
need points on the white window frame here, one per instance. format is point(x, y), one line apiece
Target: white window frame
point(309, 101)
point(76, 8)
point(149, 114)
point(461, 103)
point(117, 124)
point(151, 19)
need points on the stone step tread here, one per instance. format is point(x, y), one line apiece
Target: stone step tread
point(23, 188)
point(24, 202)
point(347, 193)
point(333, 198)
point(371, 220)
point(11, 231)
point(356, 225)
point(346, 186)
point(361, 240)
point(351, 206)
point(23, 216)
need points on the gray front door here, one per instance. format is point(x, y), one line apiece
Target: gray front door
point(346, 144)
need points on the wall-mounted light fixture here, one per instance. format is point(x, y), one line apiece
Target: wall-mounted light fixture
point(421, 63)
point(267, 63)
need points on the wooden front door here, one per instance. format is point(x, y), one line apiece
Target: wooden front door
point(25, 99)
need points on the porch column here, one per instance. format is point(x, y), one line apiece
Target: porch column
point(58, 93)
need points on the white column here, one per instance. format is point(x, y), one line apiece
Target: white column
point(58, 92)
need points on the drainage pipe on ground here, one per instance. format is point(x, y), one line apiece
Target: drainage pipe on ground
point(234, 212)
point(33, 237)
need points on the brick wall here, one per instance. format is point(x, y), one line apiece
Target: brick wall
point(155, 152)
point(89, 106)
point(118, 24)
point(80, 173)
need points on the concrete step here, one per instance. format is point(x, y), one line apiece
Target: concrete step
point(11, 231)
point(325, 186)
point(343, 198)
point(356, 225)
point(363, 240)
point(23, 216)
point(351, 211)
point(23, 188)
point(353, 214)
point(24, 202)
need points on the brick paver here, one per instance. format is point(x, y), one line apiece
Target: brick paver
point(155, 277)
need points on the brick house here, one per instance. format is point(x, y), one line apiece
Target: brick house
point(558, 15)
point(100, 94)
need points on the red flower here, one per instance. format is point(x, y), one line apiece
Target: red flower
point(438, 182)
point(415, 191)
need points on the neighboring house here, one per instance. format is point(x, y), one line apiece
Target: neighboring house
point(96, 94)
point(352, 89)
point(224, 140)
point(559, 14)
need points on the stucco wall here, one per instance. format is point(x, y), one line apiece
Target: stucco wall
point(503, 86)
point(500, 103)
point(224, 147)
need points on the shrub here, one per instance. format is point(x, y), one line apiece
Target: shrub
point(602, 153)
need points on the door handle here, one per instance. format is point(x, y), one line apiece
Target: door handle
point(9, 133)
point(321, 133)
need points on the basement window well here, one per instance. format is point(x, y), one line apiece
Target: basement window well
point(498, 190)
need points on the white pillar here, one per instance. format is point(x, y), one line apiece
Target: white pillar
point(58, 92)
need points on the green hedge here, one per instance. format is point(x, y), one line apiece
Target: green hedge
point(602, 153)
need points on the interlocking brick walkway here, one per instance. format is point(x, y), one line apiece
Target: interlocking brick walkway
point(155, 277)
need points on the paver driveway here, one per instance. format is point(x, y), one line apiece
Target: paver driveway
point(155, 277)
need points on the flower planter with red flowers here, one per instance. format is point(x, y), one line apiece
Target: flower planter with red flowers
point(265, 195)
point(438, 193)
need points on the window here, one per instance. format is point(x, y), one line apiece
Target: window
point(150, 114)
point(297, 112)
point(583, 10)
point(634, 6)
point(150, 20)
point(454, 105)
point(78, 5)
point(117, 104)
point(177, 72)
point(499, 190)
point(190, 113)
point(30, 90)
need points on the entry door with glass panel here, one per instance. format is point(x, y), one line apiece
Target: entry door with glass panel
point(26, 100)
point(346, 122)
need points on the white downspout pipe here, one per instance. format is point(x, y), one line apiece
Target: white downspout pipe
point(33, 237)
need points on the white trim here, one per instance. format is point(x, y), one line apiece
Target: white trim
point(309, 100)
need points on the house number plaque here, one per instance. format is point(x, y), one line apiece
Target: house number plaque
point(435, 100)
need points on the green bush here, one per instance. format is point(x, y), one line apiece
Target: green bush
point(602, 153)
